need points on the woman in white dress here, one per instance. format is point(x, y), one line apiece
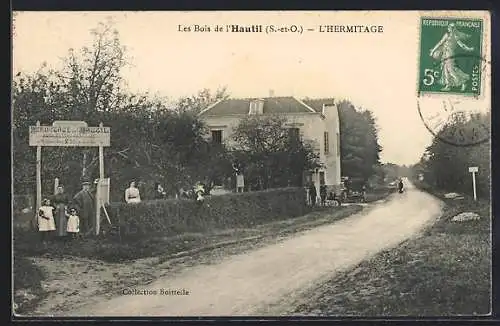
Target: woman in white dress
point(132, 194)
point(73, 225)
point(46, 221)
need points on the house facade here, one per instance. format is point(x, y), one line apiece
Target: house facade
point(316, 120)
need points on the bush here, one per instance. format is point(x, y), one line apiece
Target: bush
point(174, 216)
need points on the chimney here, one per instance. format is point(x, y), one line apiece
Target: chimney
point(271, 93)
point(256, 106)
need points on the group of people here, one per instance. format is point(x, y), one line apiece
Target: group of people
point(133, 193)
point(67, 218)
point(324, 196)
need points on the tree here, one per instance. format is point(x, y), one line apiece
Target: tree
point(446, 166)
point(269, 155)
point(150, 141)
point(359, 142)
point(196, 103)
point(92, 76)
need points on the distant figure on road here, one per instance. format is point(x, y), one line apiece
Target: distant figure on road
point(132, 194)
point(312, 194)
point(400, 185)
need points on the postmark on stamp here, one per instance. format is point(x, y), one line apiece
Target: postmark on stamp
point(456, 123)
point(450, 56)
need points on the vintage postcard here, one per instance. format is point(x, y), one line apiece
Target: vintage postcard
point(265, 163)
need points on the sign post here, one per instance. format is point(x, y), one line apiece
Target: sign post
point(68, 134)
point(38, 175)
point(56, 185)
point(101, 157)
point(474, 170)
point(102, 198)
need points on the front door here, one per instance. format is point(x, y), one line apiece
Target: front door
point(322, 178)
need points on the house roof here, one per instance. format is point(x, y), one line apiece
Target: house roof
point(317, 104)
point(272, 105)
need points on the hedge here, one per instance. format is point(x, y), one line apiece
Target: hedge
point(174, 216)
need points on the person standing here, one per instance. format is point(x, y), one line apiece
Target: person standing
point(160, 193)
point(84, 202)
point(132, 194)
point(312, 194)
point(46, 222)
point(73, 225)
point(60, 201)
point(199, 192)
point(322, 194)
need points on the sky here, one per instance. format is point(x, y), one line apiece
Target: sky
point(375, 71)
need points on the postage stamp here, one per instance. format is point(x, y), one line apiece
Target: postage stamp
point(450, 56)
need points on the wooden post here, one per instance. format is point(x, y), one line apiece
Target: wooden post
point(474, 170)
point(38, 175)
point(84, 169)
point(98, 208)
point(101, 158)
point(56, 185)
point(98, 192)
point(474, 184)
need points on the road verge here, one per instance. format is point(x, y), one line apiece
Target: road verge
point(443, 272)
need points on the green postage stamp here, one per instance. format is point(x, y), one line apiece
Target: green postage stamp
point(450, 56)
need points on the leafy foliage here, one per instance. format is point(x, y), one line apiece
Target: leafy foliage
point(150, 140)
point(445, 166)
point(270, 156)
point(171, 217)
point(153, 141)
point(359, 142)
point(201, 101)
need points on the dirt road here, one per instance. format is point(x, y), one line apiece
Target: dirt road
point(251, 283)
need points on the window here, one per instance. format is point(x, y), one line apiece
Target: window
point(294, 135)
point(217, 136)
point(326, 143)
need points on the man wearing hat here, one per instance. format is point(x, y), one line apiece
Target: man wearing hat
point(84, 202)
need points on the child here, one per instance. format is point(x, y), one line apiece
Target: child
point(73, 225)
point(46, 221)
point(199, 192)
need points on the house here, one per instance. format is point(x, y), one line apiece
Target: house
point(313, 119)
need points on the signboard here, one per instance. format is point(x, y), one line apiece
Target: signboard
point(66, 123)
point(68, 135)
point(473, 169)
point(103, 191)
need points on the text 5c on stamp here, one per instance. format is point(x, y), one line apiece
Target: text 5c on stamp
point(450, 56)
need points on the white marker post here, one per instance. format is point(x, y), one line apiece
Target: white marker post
point(474, 170)
point(56, 185)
